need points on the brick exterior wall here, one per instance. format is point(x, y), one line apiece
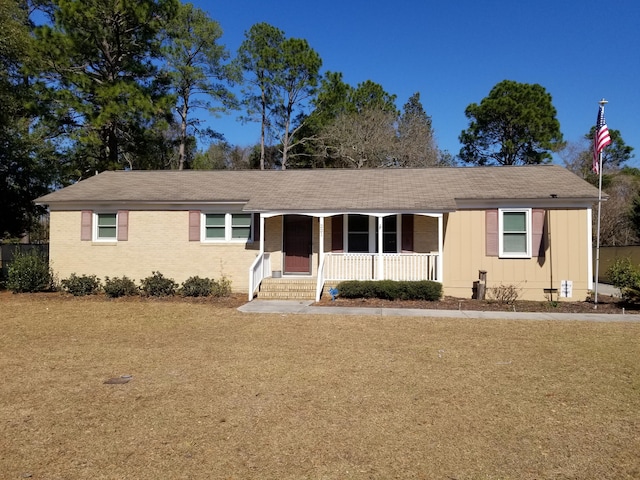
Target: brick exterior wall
point(157, 241)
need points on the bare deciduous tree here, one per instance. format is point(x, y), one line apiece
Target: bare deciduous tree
point(360, 140)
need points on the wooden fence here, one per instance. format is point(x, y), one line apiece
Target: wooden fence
point(608, 255)
point(8, 251)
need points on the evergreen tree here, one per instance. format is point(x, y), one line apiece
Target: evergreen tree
point(28, 164)
point(515, 124)
point(260, 58)
point(416, 145)
point(195, 62)
point(102, 61)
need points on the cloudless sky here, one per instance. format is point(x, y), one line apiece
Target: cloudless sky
point(454, 52)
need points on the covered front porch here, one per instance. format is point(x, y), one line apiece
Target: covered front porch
point(333, 247)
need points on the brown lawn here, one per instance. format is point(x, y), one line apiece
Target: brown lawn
point(217, 394)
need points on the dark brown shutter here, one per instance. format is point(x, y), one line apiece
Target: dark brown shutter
point(491, 225)
point(407, 233)
point(194, 225)
point(537, 236)
point(86, 225)
point(337, 229)
point(123, 225)
point(256, 227)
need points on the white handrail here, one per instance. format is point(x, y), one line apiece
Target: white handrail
point(260, 265)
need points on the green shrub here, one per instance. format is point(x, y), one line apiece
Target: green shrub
point(221, 288)
point(120, 287)
point(29, 272)
point(625, 276)
point(81, 285)
point(158, 286)
point(196, 287)
point(391, 290)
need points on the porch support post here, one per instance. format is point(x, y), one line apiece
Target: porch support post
point(380, 275)
point(264, 274)
point(440, 247)
point(321, 241)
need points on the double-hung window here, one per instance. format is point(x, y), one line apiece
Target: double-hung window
point(515, 232)
point(358, 233)
point(106, 227)
point(227, 227)
point(362, 234)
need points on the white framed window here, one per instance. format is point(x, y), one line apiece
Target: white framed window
point(227, 227)
point(358, 233)
point(106, 227)
point(361, 233)
point(514, 232)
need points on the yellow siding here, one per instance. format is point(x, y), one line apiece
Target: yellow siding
point(158, 241)
point(566, 257)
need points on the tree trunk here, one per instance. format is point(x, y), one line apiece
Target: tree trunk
point(262, 128)
point(183, 136)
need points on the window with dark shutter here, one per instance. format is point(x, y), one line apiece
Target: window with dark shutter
point(194, 226)
point(337, 229)
point(86, 228)
point(492, 233)
point(123, 225)
point(407, 233)
point(537, 227)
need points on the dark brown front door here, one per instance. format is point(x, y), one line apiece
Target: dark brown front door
point(297, 238)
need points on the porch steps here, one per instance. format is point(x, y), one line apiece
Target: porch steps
point(287, 289)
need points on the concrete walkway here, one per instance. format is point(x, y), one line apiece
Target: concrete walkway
point(306, 307)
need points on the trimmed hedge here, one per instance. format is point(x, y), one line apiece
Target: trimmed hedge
point(120, 287)
point(391, 290)
point(81, 285)
point(157, 285)
point(196, 287)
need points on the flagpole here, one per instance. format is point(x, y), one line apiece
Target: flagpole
point(602, 103)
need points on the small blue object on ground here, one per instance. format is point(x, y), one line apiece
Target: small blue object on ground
point(334, 293)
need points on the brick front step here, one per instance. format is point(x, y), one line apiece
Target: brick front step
point(288, 289)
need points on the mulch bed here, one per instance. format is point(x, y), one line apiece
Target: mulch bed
point(606, 304)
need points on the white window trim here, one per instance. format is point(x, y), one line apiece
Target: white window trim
point(529, 233)
point(96, 229)
point(373, 224)
point(228, 231)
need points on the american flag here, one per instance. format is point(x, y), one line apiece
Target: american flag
point(600, 140)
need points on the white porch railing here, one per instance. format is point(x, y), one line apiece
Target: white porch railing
point(394, 266)
point(367, 266)
point(260, 269)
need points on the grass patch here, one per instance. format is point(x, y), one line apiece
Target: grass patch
point(220, 394)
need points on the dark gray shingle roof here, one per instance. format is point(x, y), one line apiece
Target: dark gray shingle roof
point(431, 189)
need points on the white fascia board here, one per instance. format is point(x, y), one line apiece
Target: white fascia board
point(347, 212)
point(546, 203)
point(124, 205)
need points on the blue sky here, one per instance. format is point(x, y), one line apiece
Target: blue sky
point(454, 52)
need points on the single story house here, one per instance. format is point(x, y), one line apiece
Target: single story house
point(525, 226)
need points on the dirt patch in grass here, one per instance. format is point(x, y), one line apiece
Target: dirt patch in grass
point(218, 394)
